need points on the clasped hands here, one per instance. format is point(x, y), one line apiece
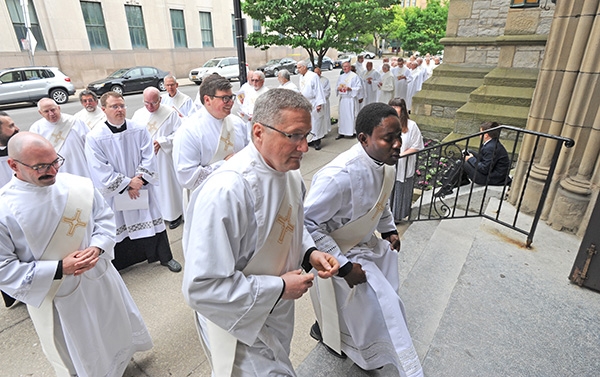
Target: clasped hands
point(80, 261)
point(297, 284)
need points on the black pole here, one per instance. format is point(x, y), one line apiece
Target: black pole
point(239, 38)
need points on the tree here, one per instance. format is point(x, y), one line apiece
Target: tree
point(316, 25)
point(424, 27)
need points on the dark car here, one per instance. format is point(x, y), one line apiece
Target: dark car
point(343, 58)
point(326, 64)
point(128, 80)
point(273, 66)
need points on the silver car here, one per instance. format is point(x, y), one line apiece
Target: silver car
point(30, 84)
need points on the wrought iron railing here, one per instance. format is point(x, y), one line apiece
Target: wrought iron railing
point(433, 163)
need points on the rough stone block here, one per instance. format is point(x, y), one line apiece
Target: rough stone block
point(567, 210)
point(437, 111)
point(475, 56)
point(527, 59)
point(544, 26)
point(460, 8)
point(522, 23)
point(507, 54)
point(454, 54)
point(489, 14)
point(449, 112)
point(481, 4)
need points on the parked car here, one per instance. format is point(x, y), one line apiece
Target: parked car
point(273, 66)
point(326, 64)
point(342, 58)
point(129, 80)
point(368, 54)
point(226, 67)
point(30, 84)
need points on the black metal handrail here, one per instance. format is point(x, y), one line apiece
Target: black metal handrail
point(434, 163)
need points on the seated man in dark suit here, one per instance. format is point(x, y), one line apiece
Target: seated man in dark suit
point(488, 167)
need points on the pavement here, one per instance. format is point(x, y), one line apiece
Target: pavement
point(478, 303)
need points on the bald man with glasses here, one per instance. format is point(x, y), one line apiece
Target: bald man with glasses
point(210, 136)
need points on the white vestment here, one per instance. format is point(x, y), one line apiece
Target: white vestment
point(229, 219)
point(6, 173)
point(250, 96)
point(310, 87)
point(169, 192)
point(72, 148)
point(196, 142)
point(327, 108)
point(348, 108)
point(180, 102)
point(371, 79)
point(98, 322)
point(386, 89)
point(116, 158)
point(290, 85)
point(402, 84)
point(371, 315)
point(412, 89)
point(411, 139)
point(91, 119)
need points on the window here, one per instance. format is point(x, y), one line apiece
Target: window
point(524, 3)
point(256, 26)
point(233, 30)
point(206, 29)
point(135, 20)
point(18, 20)
point(94, 24)
point(178, 26)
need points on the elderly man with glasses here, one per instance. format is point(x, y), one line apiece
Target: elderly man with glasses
point(245, 242)
point(57, 261)
point(210, 136)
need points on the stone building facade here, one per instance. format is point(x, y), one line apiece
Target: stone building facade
point(179, 35)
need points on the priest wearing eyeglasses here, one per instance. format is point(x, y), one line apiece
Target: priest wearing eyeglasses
point(57, 261)
point(210, 136)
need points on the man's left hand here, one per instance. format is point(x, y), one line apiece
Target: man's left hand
point(394, 241)
point(325, 264)
point(156, 147)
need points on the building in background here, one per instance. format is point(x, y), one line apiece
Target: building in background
point(90, 39)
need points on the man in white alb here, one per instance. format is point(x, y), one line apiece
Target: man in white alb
point(386, 84)
point(244, 243)
point(57, 261)
point(310, 87)
point(347, 88)
point(66, 133)
point(327, 107)
point(123, 166)
point(371, 79)
point(209, 137)
point(257, 80)
point(162, 122)
point(8, 129)
point(403, 78)
point(285, 82)
point(179, 101)
point(91, 114)
point(359, 312)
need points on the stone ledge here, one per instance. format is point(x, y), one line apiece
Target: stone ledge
point(503, 40)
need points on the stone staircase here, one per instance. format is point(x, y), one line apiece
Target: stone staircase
point(447, 90)
point(479, 303)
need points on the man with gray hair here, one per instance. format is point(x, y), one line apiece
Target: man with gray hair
point(91, 114)
point(66, 133)
point(284, 78)
point(244, 243)
point(311, 89)
point(182, 103)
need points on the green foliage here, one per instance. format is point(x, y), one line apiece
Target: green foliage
point(316, 25)
point(423, 28)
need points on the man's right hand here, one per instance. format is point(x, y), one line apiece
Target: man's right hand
point(356, 275)
point(296, 284)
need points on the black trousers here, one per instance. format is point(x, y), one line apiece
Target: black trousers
point(155, 248)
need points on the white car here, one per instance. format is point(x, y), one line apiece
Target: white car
point(30, 84)
point(227, 67)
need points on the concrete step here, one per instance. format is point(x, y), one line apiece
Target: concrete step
point(516, 77)
point(452, 84)
point(437, 98)
point(461, 71)
point(471, 115)
point(503, 95)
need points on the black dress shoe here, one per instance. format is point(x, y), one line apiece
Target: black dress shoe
point(317, 144)
point(315, 333)
point(338, 137)
point(172, 265)
point(175, 223)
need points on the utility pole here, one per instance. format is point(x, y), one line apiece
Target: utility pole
point(240, 33)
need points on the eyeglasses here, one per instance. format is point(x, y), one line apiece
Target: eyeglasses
point(295, 138)
point(226, 99)
point(43, 168)
point(117, 107)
